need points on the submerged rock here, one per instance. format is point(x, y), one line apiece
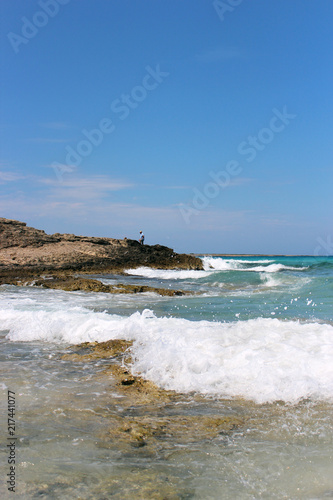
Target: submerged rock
point(182, 428)
point(89, 351)
point(133, 388)
point(149, 425)
point(90, 285)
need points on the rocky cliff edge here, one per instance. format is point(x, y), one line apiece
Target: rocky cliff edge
point(24, 247)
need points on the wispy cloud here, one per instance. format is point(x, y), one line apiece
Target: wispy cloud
point(238, 181)
point(276, 221)
point(6, 176)
point(69, 209)
point(87, 188)
point(54, 128)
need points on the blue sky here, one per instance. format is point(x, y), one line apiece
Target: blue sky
point(206, 124)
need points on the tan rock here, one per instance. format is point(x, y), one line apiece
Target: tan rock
point(24, 247)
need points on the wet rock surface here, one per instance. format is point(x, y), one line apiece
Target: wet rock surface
point(146, 418)
point(133, 419)
point(90, 285)
point(73, 284)
point(133, 438)
point(134, 389)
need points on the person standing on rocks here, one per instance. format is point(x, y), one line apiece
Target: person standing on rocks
point(142, 238)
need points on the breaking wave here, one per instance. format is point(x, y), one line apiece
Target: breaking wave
point(259, 359)
point(218, 264)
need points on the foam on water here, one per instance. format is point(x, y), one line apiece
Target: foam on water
point(274, 268)
point(260, 359)
point(211, 265)
point(166, 274)
point(219, 264)
point(291, 282)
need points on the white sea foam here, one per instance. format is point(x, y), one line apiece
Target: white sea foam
point(270, 281)
point(211, 265)
point(274, 268)
point(167, 274)
point(218, 264)
point(261, 359)
point(283, 281)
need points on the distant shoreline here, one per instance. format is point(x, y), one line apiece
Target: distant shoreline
point(206, 254)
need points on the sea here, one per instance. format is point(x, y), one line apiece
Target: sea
point(252, 340)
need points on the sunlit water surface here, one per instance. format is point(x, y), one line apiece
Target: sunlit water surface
point(255, 342)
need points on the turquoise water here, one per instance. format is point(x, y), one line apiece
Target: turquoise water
point(285, 287)
point(254, 339)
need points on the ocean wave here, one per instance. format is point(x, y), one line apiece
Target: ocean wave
point(167, 274)
point(260, 359)
point(263, 359)
point(322, 264)
point(274, 268)
point(218, 264)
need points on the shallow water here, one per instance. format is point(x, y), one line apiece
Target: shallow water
point(255, 345)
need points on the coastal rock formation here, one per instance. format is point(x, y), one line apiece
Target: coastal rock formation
point(151, 426)
point(71, 284)
point(25, 247)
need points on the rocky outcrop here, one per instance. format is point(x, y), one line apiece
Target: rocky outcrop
point(71, 284)
point(25, 247)
point(151, 426)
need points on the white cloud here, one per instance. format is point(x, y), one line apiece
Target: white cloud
point(124, 217)
point(93, 187)
point(6, 176)
point(276, 221)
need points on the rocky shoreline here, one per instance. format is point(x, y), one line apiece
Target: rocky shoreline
point(30, 256)
point(150, 426)
point(134, 418)
point(74, 284)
